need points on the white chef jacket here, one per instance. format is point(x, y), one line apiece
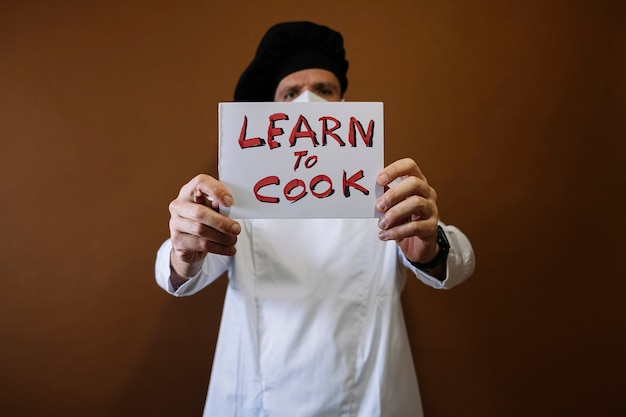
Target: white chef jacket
point(312, 322)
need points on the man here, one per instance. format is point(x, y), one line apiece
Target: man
point(312, 322)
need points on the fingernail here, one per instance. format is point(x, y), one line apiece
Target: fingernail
point(235, 229)
point(382, 235)
point(383, 179)
point(228, 201)
point(380, 205)
point(382, 223)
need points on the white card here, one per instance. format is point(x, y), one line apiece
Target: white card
point(301, 160)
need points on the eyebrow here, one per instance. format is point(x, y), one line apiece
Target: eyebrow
point(321, 85)
point(316, 86)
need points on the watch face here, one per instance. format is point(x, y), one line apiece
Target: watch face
point(442, 240)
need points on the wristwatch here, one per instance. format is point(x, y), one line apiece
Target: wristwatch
point(442, 255)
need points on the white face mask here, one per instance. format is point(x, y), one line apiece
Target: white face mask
point(307, 97)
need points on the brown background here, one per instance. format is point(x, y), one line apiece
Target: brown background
point(513, 109)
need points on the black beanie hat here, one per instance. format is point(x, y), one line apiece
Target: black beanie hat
point(287, 48)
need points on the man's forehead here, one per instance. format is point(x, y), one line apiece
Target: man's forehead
point(312, 76)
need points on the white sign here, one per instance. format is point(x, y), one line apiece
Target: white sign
point(301, 160)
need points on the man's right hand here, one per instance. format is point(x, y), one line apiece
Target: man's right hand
point(197, 227)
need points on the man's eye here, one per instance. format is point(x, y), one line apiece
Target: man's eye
point(325, 92)
point(291, 95)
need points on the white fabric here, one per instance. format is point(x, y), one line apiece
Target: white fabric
point(312, 322)
point(308, 97)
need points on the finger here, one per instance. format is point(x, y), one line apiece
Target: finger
point(398, 169)
point(414, 208)
point(205, 185)
point(186, 243)
point(408, 187)
point(204, 215)
point(422, 229)
point(188, 227)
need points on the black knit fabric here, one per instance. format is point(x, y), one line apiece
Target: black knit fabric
point(287, 48)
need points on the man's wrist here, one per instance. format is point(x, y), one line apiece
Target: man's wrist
point(181, 271)
point(442, 253)
point(176, 280)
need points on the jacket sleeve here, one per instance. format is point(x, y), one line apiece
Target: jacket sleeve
point(459, 265)
point(212, 268)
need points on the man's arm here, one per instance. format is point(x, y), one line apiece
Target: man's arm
point(410, 217)
point(212, 268)
point(197, 229)
point(459, 263)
